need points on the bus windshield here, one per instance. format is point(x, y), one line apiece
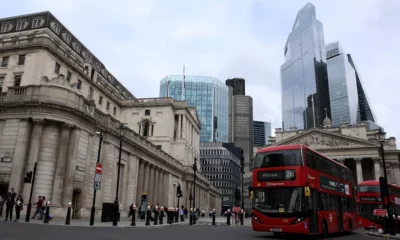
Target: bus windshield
point(274, 200)
point(369, 189)
point(278, 159)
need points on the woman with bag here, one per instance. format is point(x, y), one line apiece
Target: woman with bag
point(19, 206)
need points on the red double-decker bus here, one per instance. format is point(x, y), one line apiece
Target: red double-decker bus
point(369, 198)
point(300, 191)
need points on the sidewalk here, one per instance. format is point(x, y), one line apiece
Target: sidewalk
point(125, 222)
point(384, 236)
point(222, 221)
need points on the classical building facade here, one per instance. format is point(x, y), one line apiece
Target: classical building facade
point(55, 97)
point(354, 145)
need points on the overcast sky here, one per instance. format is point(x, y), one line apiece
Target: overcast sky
point(140, 42)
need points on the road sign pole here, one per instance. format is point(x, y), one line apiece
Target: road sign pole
point(92, 212)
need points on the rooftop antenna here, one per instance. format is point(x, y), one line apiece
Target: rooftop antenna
point(184, 84)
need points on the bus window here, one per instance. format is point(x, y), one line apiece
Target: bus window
point(278, 159)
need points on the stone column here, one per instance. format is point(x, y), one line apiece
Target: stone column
point(146, 179)
point(377, 168)
point(179, 126)
point(140, 182)
point(160, 186)
point(69, 177)
point(396, 173)
point(359, 170)
point(60, 165)
point(155, 191)
point(166, 189)
point(183, 126)
point(150, 195)
point(21, 147)
point(33, 155)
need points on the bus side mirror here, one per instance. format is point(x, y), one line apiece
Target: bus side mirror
point(307, 191)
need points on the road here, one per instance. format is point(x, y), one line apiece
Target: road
point(28, 231)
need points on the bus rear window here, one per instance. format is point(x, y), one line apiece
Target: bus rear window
point(369, 189)
point(278, 159)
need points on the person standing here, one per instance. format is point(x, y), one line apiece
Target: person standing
point(10, 201)
point(18, 207)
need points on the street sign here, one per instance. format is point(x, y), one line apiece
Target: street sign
point(99, 168)
point(379, 212)
point(97, 181)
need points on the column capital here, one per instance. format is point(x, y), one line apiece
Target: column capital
point(66, 127)
point(39, 122)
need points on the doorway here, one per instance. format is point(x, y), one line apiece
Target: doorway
point(3, 194)
point(76, 203)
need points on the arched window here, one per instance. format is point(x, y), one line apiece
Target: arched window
point(146, 128)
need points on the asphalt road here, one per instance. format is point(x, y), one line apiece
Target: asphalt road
point(24, 231)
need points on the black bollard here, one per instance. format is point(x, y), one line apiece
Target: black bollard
point(170, 215)
point(213, 217)
point(68, 218)
point(176, 211)
point(228, 218)
point(47, 216)
point(241, 217)
point(156, 216)
point(161, 215)
point(190, 217)
point(133, 222)
point(148, 215)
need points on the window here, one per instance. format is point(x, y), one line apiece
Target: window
point(146, 128)
point(100, 100)
point(36, 23)
point(278, 159)
point(21, 60)
point(57, 68)
point(1, 83)
point(69, 74)
point(90, 95)
point(4, 27)
point(17, 80)
point(20, 25)
point(79, 84)
point(147, 112)
point(108, 106)
point(115, 111)
point(4, 63)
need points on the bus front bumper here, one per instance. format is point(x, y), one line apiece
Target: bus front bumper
point(298, 228)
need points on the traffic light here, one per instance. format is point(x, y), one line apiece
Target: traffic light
point(242, 164)
point(251, 195)
point(195, 165)
point(179, 191)
point(384, 189)
point(28, 178)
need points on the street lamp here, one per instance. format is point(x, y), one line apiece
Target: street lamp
point(121, 129)
point(100, 134)
point(194, 187)
point(242, 170)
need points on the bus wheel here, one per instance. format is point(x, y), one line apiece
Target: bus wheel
point(324, 229)
point(350, 228)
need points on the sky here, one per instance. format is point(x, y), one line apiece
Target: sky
point(140, 42)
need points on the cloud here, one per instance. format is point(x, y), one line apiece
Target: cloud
point(140, 42)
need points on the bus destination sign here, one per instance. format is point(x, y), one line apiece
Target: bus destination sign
point(281, 175)
point(333, 185)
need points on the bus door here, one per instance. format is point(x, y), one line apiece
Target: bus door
point(313, 210)
point(339, 202)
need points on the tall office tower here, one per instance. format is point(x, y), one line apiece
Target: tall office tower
point(241, 119)
point(349, 103)
point(304, 79)
point(261, 132)
point(208, 95)
point(342, 86)
point(238, 86)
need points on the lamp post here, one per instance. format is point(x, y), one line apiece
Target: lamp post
point(92, 212)
point(116, 203)
point(242, 170)
point(194, 189)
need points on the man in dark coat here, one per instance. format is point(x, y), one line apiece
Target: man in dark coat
point(10, 202)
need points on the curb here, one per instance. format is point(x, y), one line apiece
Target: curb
point(377, 235)
point(99, 226)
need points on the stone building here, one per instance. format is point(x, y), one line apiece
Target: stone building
point(354, 145)
point(54, 96)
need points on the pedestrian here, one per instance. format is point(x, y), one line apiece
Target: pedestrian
point(10, 201)
point(181, 213)
point(18, 207)
point(39, 208)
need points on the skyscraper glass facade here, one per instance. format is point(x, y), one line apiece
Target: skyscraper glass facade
point(209, 96)
point(342, 86)
point(304, 80)
point(261, 132)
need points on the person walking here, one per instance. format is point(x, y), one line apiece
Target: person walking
point(10, 201)
point(18, 207)
point(39, 205)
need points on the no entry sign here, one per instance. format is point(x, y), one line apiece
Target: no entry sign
point(99, 168)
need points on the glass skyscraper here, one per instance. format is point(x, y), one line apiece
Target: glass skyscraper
point(261, 132)
point(304, 80)
point(342, 86)
point(349, 102)
point(209, 96)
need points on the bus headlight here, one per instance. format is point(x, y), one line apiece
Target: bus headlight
point(256, 219)
point(297, 220)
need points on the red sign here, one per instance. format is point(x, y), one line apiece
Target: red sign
point(99, 168)
point(380, 212)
